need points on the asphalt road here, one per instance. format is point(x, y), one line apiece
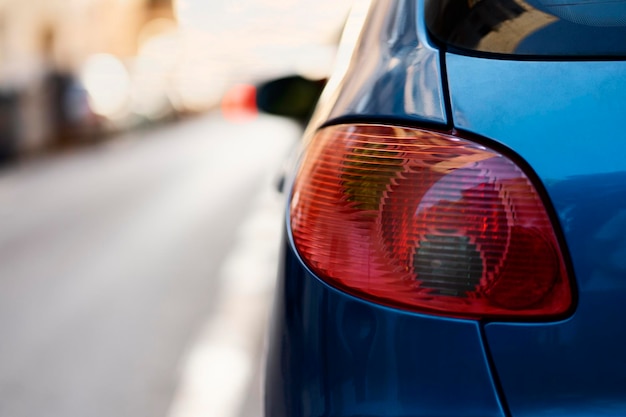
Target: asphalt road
point(122, 265)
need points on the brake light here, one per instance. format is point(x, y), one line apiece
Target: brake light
point(426, 221)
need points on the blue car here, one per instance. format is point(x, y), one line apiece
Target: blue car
point(455, 233)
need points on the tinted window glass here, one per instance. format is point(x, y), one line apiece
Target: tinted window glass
point(531, 27)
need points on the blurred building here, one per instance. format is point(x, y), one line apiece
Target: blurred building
point(73, 69)
point(43, 47)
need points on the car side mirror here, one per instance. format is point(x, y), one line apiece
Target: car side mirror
point(292, 96)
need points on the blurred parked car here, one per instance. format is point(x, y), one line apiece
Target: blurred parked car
point(455, 238)
point(9, 126)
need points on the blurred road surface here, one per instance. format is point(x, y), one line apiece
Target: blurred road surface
point(125, 269)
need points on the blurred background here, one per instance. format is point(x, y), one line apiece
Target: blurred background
point(72, 71)
point(140, 217)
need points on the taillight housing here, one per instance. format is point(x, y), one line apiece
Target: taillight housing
point(426, 221)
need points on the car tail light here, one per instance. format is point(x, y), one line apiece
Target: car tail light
point(426, 221)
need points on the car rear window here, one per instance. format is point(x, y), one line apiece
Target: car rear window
point(583, 28)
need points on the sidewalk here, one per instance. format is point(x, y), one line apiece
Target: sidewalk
point(221, 373)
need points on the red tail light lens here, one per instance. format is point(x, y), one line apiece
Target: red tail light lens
point(426, 221)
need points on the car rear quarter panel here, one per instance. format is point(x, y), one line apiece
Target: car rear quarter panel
point(391, 70)
point(332, 354)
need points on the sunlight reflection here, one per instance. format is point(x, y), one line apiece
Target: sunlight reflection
point(108, 84)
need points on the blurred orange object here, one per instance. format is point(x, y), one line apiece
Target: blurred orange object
point(239, 103)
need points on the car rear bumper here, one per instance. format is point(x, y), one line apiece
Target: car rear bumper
point(332, 354)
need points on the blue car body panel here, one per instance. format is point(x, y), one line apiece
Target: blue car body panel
point(332, 354)
point(564, 119)
point(394, 72)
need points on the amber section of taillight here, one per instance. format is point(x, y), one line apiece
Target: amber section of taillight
point(426, 221)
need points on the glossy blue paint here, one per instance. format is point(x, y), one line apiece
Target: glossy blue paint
point(394, 72)
point(565, 119)
point(332, 354)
